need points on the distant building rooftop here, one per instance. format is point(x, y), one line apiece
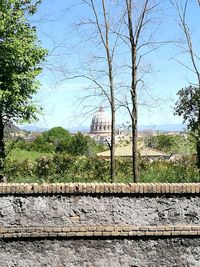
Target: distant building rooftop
point(126, 151)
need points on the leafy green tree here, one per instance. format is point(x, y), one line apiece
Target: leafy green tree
point(172, 143)
point(20, 56)
point(59, 137)
point(56, 134)
point(161, 142)
point(188, 106)
point(41, 145)
point(79, 144)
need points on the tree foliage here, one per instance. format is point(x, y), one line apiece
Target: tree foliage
point(172, 143)
point(80, 144)
point(59, 140)
point(54, 140)
point(188, 106)
point(161, 142)
point(56, 134)
point(20, 58)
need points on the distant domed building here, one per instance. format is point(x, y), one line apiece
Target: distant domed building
point(101, 123)
point(100, 128)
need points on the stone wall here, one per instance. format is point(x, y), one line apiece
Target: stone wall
point(168, 252)
point(94, 210)
point(99, 225)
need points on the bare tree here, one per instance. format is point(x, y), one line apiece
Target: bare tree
point(109, 57)
point(181, 8)
point(188, 104)
point(136, 41)
point(97, 76)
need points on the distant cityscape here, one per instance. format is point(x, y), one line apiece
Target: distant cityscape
point(84, 129)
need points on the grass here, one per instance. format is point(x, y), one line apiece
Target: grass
point(21, 155)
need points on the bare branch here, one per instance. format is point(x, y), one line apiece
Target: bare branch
point(182, 12)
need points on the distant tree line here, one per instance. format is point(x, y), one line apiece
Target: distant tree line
point(183, 145)
point(60, 140)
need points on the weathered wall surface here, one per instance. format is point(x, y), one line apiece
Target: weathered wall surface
point(179, 252)
point(79, 225)
point(94, 210)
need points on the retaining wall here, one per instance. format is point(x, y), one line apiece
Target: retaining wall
point(99, 225)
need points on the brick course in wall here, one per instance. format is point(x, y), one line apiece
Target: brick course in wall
point(99, 231)
point(100, 188)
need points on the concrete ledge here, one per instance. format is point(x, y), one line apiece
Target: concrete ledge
point(99, 231)
point(99, 188)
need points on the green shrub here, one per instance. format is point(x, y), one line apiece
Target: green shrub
point(63, 162)
point(41, 145)
point(171, 143)
point(45, 166)
point(12, 168)
point(62, 167)
point(96, 169)
point(27, 167)
point(169, 172)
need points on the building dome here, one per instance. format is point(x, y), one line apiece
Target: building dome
point(101, 123)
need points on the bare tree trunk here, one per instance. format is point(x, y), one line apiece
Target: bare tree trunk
point(112, 151)
point(134, 117)
point(112, 105)
point(134, 112)
point(135, 37)
point(198, 154)
point(2, 148)
point(198, 140)
point(112, 101)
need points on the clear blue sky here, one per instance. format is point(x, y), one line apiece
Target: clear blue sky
point(55, 22)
